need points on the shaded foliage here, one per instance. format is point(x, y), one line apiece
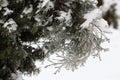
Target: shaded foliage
point(110, 15)
point(100, 3)
point(13, 54)
point(27, 22)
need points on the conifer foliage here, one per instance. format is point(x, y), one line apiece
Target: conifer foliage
point(110, 15)
point(33, 30)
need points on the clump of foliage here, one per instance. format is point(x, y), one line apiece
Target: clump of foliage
point(100, 3)
point(110, 15)
point(33, 30)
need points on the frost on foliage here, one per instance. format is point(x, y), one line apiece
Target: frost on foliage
point(65, 17)
point(94, 18)
point(76, 51)
point(10, 25)
point(3, 3)
point(17, 76)
point(28, 9)
point(91, 17)
point(71, 30)
point(76, 42)
point(7, 11)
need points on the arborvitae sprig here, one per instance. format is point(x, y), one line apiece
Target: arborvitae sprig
point(54, 26)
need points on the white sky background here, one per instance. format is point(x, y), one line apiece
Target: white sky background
point(94, 69)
